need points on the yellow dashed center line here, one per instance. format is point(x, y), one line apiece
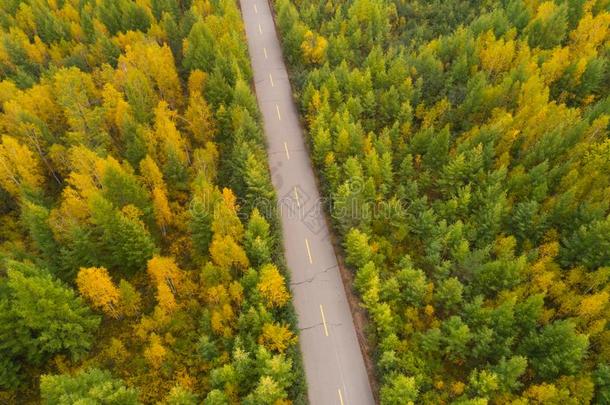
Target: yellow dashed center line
point(296, 195)
point(309, 253)
point(323, 320)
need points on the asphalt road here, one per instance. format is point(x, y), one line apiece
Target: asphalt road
point(333, 361)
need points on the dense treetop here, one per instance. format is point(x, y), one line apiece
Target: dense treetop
point(138, 263)
point(465, 148)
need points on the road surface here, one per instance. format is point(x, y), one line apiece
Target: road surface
point(333, 362)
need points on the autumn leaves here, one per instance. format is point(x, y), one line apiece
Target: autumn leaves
point(18, 167)
point(128, 134)
point(481, 130)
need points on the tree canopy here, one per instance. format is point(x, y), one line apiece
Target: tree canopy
point(464, 148)
point(134, 265)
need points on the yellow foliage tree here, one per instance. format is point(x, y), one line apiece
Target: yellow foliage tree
point(216, 322)
point(272, 286)
point(151, 173)
point(236, 292)
point(592, 305)
point(216, 294)
point(225, 252)
point(277, 337)
point(155, 353)
point(167, 138)
point(496, 54)
point(554, 67)
point(19, 167)
point(222, 320)
point(157, 62)
point(24, 19)
point(200, 119)
point(116, 351)
point(542, 394)
point(226, 222)
point(163, 214)
point(196, 83)
point(95, 284)
point(168, 279)
point(314, 48)
point(76, 93)
point(165, 270)
point(205, 161)
point(117, 110)
point(590, 33)
point(166, 299)
point(20, 106)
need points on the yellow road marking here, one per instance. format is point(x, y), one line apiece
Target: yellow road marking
point(286, 149)
point(296, 196)
point(340, 396)
point(277, 108)
point(260, 29)
point(324, 322)
point(265, 52)
point(309, 254)
point(255, 9)
point(271, 80)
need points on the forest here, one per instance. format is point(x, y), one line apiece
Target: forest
point(465, 149)
point(136, 265)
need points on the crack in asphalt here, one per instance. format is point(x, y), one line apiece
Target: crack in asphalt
point(311, 327)
point(346, 374)
point(310, 279)
point(315, 325)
